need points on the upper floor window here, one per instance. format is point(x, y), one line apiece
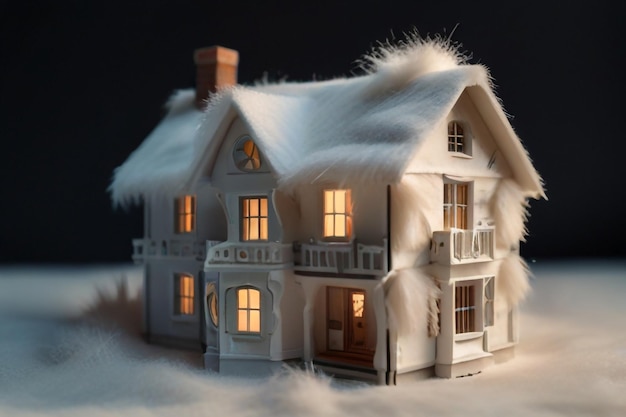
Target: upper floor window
point(246, 154)
point(337, 214)
point(183, 294)
point(185, 214)
point(248, 310)
point(457, 140)
point(455, 205)
point(254, 218)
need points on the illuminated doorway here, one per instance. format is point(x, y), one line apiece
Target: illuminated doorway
point(346, 320)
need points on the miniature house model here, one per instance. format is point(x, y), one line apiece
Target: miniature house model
point(365, 226)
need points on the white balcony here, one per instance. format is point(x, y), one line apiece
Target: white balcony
point(144, 249)
point(456, 246)
point(248, 253)
point(343, 258)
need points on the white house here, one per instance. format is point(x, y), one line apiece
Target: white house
point(367, 226)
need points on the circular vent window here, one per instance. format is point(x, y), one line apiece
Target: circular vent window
point(246, 154)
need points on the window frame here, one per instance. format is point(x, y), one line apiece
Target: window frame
point(246, 221)
point(466, 307)
point(451, 208)
point(459, 140)
point(247, 310)
point(212, 305)
point(241, 156)
point(488, 301)
point(334, 215)
point(184, 295)
point(185, 214)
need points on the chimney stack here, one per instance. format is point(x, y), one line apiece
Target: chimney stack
point(216, 67)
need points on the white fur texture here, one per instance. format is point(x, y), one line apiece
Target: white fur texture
point(355, 130)
point(509, 208)
point(160, 163)
point(512, 281)
point(411, 299)
point(410, 240)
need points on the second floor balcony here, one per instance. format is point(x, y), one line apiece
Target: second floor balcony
point(144, 249)
point(248, 253)
point(457, 246)
point(342, 258)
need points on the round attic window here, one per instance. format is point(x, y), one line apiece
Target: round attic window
point(246, 154)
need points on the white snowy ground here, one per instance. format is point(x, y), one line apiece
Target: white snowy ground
point(70, 346)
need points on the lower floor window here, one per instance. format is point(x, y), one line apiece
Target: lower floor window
point(248, 310)
point(183, 295)
point(465, 308)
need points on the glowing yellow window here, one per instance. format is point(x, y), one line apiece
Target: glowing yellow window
point(248, 310)
point(337, 214)
point(184, 295)
point(358, 304)
point(185, 214)
point(455, 204)
point(254, 224)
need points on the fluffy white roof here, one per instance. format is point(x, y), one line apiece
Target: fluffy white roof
point(358, 129)
point(162, 160)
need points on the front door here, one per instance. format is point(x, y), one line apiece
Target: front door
point(346, 320)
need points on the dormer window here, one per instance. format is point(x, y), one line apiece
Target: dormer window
point(458, 141)
point(337, 215)
point(246, 155)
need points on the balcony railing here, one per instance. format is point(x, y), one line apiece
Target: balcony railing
point(167, 248)
point(256, 253)
point(456, 246)
point(342, 258)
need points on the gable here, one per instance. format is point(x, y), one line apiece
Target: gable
point(481, 156)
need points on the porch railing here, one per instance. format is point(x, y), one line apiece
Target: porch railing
point(342, 258)
point(457, 246)
point(249, 253)
point(167, 248)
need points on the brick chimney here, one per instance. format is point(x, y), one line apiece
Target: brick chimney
point(216, 67)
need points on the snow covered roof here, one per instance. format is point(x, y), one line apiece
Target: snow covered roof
point(349, 129)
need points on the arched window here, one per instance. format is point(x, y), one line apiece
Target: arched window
point(246, 154)
point(211, 303)
point(248, 310)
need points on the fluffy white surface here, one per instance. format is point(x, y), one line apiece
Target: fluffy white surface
point(411, 300)
point(410, 240)
point(161, 162)
point(508, 206)
point(358, 130)
point(76, 355)
point(513, 283)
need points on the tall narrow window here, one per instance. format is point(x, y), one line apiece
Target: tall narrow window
point(183, 295)
point(456, 138)
point(185, 214)
point(211, 303)
point(488, 309)
point(464, 308)
point(455, 206)
point(254, 224)
point(337, 214)
point(248, 310)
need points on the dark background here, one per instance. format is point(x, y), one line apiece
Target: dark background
point(83, 83)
